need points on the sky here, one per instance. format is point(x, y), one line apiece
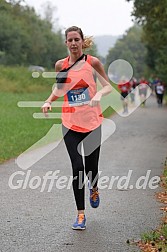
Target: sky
point(94, 17)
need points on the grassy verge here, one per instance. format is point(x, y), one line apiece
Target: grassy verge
point(19, 130)
point(156, 240)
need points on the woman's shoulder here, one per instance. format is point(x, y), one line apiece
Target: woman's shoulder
point(95, 62)
point(59, 64)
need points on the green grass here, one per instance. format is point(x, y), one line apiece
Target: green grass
point(151, 236)
point(19, 130)
point(157, 239)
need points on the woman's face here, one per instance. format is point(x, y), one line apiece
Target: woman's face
point(74, 42)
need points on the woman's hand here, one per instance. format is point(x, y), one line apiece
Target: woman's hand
point(95, 100)
point(47, 106)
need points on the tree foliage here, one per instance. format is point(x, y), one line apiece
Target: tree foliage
point(131, 49)
point(26, 38)
point(152, 15)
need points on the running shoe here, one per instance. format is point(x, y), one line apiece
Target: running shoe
point(94, 197)
point(80, 223)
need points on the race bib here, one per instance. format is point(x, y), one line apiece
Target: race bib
point(78, 97)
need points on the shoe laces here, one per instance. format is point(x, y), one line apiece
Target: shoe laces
point(94, 195)
point(80, 218)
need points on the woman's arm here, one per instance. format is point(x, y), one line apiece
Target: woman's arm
point(103, 78)
point(56, 93)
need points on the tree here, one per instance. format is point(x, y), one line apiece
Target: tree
point(49, 11)
point(131, 49)
point(152, 15)
point(26, 38)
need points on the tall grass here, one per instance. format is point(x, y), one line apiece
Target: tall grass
point(20, 80)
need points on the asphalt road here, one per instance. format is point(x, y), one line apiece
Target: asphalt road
point(33, 219)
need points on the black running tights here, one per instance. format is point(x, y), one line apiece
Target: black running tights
point(88, 162)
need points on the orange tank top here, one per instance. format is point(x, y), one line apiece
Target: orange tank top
point(77, 115)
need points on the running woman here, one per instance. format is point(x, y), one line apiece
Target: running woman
point(81, 116)
point(143, 87)
point(159, 90)
point(124, 87)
